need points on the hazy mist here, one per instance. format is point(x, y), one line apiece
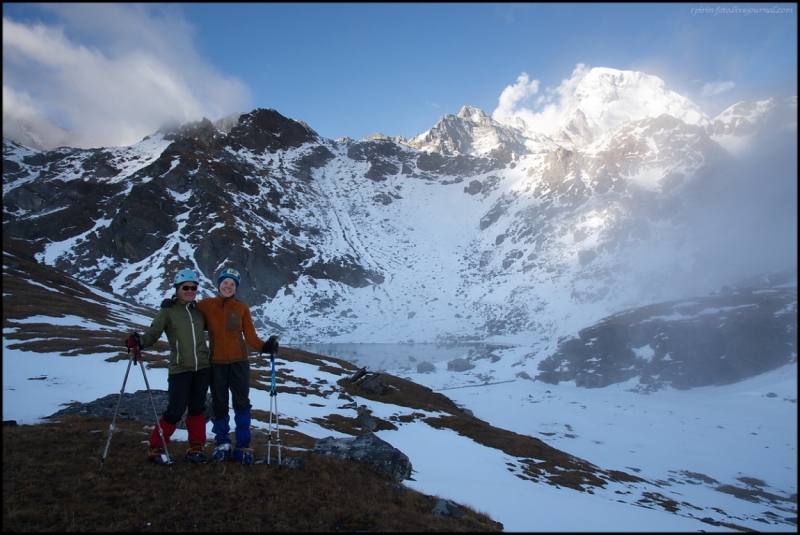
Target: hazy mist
point(749, 223)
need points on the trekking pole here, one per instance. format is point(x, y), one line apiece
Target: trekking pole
point(273, 411)
point(131, 358)
point(155, 412)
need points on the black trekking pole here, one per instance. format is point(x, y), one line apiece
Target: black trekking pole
point(131, 358)
point(155, 412)
point(135, 357)
point(273, 412)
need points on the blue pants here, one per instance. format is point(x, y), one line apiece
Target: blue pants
point(236, 378)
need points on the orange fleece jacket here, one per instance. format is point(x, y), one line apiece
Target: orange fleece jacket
point(230, 329)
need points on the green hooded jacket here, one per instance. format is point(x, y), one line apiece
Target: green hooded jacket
point(184, 325)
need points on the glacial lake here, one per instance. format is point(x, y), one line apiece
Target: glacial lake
point(387, 357)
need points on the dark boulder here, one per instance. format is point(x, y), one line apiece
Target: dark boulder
point(370, 449)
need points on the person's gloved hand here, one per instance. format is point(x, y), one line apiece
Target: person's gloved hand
point(134, 340)
point(271, 345)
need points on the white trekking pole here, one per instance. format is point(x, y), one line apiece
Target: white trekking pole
point(273, 413)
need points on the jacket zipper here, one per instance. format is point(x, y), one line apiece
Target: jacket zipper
point(224, 329)
point(194, 338)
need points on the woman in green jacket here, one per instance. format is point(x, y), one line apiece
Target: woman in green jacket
point(189, 368)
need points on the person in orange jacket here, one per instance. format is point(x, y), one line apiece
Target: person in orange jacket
point(231, 335)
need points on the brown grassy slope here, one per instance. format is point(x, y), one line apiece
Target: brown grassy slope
point(53, 481)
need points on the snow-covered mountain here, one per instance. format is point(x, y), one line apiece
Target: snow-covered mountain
point(473, 230)
point(474, 132)
point(606, 99)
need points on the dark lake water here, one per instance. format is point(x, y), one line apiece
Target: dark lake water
point(386, 357)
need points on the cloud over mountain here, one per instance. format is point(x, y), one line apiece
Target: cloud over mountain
point(140, 73)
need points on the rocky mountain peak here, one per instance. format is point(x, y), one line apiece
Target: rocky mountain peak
point(472, 131)
point(266, 129)
point(475, 116)
point(202, 132)
point(604, 100)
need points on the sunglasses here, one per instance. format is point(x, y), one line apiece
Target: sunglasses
point(189, 288)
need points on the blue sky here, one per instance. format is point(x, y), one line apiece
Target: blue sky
point(122, 70)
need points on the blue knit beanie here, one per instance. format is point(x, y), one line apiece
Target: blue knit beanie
point(229, 274)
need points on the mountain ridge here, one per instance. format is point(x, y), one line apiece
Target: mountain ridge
point(493, 236)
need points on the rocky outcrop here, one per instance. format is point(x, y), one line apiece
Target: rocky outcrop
point(713, 340)
point(370, 449)
point(447, 509)
point(425, 367)
point(346, 271)
point(369, 381)
point(460, 365)
point(132, 406)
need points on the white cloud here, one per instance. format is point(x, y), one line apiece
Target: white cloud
point(548, 108)
point(715, 88)
point(514, 95)
point(25, 123)
point(112, 73)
